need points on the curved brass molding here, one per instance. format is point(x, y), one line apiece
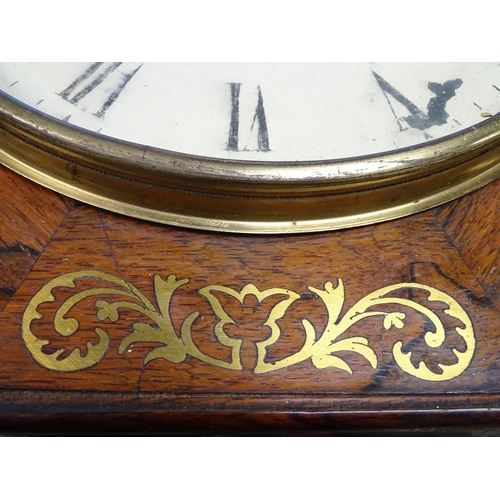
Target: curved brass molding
point(244, 196)
point(323, 349)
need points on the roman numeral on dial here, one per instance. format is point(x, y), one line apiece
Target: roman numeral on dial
point(436, 113)
point(248, 125)
point(82, 89)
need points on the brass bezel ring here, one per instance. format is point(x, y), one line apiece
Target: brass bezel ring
point(244, 196)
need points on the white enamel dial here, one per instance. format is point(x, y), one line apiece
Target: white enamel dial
point(262, 111)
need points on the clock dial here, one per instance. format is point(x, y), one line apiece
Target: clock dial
point(262, 111)
point(254, 147)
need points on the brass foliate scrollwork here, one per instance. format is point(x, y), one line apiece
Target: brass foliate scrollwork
point(323, 350)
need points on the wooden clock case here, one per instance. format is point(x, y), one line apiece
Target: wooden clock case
point(218, 334)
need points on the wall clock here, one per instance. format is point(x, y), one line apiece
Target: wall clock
point(115, 324)
point(254, 147)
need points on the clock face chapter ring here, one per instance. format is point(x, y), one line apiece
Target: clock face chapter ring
point(246, 195)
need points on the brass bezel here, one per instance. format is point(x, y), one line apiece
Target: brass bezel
point(244, 196)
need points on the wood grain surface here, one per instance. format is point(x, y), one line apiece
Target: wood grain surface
point(240, 372)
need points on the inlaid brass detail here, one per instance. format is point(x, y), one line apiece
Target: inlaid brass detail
point(179, 343)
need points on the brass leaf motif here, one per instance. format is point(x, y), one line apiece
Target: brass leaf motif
point(176, 346)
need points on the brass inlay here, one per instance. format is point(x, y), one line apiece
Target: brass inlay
point(178, 344)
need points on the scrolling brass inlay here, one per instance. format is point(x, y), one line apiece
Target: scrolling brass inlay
point(176, 344)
